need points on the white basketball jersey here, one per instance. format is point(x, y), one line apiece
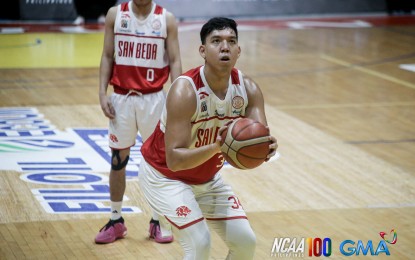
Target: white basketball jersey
point(141, 61)
point(210, 115)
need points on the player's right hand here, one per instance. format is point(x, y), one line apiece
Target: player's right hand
point(221, 130)
point(107, 107)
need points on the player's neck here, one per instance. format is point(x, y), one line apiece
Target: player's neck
point(142, 11)
point(218, 81)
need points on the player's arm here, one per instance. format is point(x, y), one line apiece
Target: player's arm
point(172, 46)
point(107, 59)
point(181, 105)
point(256, 110)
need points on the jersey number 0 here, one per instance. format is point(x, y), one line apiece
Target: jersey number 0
point(150, 75)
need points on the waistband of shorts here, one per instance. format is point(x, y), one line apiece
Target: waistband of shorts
point(124, 91)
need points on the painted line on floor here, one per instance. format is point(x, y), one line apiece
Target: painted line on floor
point(367, 71)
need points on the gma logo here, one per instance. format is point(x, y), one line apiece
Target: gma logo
point(348, 248)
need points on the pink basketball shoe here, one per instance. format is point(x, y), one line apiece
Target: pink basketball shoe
point(112, 231)
point(156, 234)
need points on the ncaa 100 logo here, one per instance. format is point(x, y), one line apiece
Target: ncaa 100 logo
point(295, 247)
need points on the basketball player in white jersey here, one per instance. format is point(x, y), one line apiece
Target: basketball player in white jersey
point(140, 51)
point(179, 176)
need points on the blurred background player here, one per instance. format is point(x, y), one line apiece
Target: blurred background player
point(179, 176)
point(140, 51)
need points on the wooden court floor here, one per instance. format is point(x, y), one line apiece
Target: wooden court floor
point(341, 102)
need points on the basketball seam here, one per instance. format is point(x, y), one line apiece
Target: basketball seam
point(242, 129)
point(237, 152)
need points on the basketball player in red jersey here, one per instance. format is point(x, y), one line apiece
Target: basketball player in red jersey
point(179, 176)
point(140, 51)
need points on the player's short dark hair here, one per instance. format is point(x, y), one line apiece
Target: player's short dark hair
point(217, 23)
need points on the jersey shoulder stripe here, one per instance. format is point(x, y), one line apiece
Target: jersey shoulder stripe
point(124, 6)
point(235, 76)
point(158, 10)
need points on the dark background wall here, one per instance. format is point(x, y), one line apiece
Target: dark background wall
point(254, 8)
point(66, 10)
point(47, 10)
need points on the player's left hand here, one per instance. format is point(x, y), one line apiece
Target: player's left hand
point(272, 147)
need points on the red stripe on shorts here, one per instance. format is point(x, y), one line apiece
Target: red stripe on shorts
point(187, 225)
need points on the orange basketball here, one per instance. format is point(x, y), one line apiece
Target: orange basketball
point(245, 144)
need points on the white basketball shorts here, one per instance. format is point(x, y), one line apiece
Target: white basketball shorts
point(184, 205)
point(134, 113)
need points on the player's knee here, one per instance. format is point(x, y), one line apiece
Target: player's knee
point(249, 243)
point(119, 160)
point(243, 245)
point(246, 243)
point(203, 246)
point(196, 242)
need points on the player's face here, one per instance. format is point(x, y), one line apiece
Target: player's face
point(221, 48)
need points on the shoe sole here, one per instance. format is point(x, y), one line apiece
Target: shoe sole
point(162, 241)
point(112, 241)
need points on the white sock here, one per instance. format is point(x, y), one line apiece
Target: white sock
point(116, 209)
point(155, 216)
point(165, 228)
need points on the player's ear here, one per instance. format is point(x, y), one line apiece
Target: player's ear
point(202, 51)
point(239, 51)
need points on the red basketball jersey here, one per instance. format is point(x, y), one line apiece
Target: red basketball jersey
point(211, 114)
point(141, 61)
